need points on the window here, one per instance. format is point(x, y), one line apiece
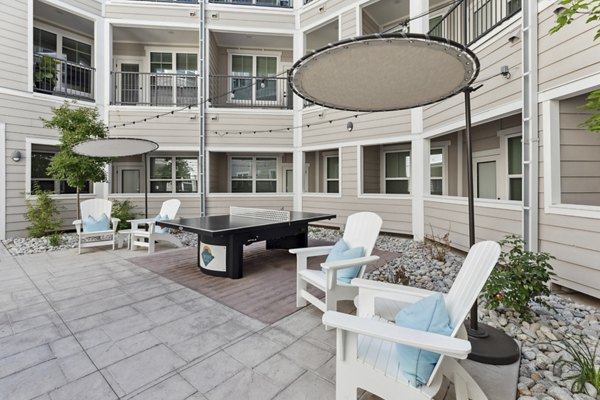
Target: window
point(245, 69)
point(436, 22)
point(486, 180)
point(512, 6)
point(253, 174)
point(332, 176)
point(515, 168)
point(44, 41)
point(161, 62)
point(77, 78)
point(436, 172)
point(483, 18)
point(397, 167)
point(40, 160)
point(173, 174)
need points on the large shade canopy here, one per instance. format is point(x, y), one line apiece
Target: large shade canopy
point(384, 72)
point(115, 147)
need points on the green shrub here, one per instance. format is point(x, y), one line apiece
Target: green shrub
point(55, 239)
point(124, 211)
point(583, 362)
point(43, 214)
point(521, 276)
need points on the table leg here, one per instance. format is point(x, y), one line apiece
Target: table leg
point(235, 258)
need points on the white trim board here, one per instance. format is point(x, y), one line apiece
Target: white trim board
point(2, 180)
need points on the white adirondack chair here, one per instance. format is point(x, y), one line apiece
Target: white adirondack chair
point(139, 237)
point(95, 208)
point(362, 229)
point(366, 357)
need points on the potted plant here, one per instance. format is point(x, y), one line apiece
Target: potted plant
point(46, 74)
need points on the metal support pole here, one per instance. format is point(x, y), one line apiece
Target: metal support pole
point(146, 183)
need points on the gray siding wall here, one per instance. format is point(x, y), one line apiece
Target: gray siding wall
point(174, 130)
point(579, 155)
point(14, 45)
point(396, 213)
point(368, 24)
point(239, 18)
point(310, 15)
point(371, 169)
point(248, 121)
point(490, 223)
point(157, 12)
point(90, 6)
point(348, 27)
point(368, 126)
point(567, 55)
point(22, 117)
point(190, 204)
point(496, 92)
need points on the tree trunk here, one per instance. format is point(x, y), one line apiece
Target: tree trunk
point(78, 208)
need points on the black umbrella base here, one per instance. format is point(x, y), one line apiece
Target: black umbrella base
point(492, 346)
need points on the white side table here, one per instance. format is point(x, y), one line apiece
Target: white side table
point(123, 235)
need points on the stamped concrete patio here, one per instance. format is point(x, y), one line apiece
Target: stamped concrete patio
point(95, 326)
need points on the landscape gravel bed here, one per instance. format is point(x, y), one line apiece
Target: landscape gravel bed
point(542, 377)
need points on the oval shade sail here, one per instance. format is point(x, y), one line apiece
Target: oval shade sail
point(384, 72)
point(115, 147)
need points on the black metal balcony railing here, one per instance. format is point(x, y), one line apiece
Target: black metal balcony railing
point(154, 89)
point(481, 17)
point(60, 77)
point(262, 3)
point(250, 92)
point(171, 1)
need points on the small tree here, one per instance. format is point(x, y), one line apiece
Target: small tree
point(43, 215)
point(591, 9)
point(76, 124)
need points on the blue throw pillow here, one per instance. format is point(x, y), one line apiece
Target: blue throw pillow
point(341, 251)
point(430, 315)
point(158, 229)
point(90, 224)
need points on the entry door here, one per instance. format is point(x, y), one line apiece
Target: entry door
point(130, 181)
point(486, 180)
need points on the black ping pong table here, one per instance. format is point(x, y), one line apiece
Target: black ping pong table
point(221, 238)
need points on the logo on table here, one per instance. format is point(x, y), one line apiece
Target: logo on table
point(207, 255)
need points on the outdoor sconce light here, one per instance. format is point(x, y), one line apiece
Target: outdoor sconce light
point(505, 71)
point(16, 156)
point(262, 84)
point(349, 126)
point(513, 39)
point(559, 10)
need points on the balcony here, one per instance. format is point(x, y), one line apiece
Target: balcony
point(250, 92)
point(481, 17)
point(64, 78)
point(154, 89)
point(261, 3)
point(171, 1)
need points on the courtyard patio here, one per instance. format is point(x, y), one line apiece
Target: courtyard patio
point(102, 326)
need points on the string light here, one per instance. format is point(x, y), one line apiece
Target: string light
point(282, 129)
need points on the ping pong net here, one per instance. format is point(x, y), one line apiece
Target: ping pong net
point(260, 213)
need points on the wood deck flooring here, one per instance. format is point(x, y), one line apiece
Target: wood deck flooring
point(267, 291)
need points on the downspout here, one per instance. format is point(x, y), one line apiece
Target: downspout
point(201, 111)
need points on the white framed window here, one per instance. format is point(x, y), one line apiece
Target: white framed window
point(173, 76)
point(514, 146)
point(73, 53)
point(40, 157)
point(173, 174)
point(397, 172)
point(253, 174)
point(437, 172)
point(332, 174)
point(249, 77)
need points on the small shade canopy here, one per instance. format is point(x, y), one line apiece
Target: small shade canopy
point(115, 147)
point(384, 72)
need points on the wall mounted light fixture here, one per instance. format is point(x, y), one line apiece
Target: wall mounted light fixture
point(16, 156)
point(349, 126)
point(559, 10)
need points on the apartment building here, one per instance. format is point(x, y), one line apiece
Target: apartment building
point(238, 136)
